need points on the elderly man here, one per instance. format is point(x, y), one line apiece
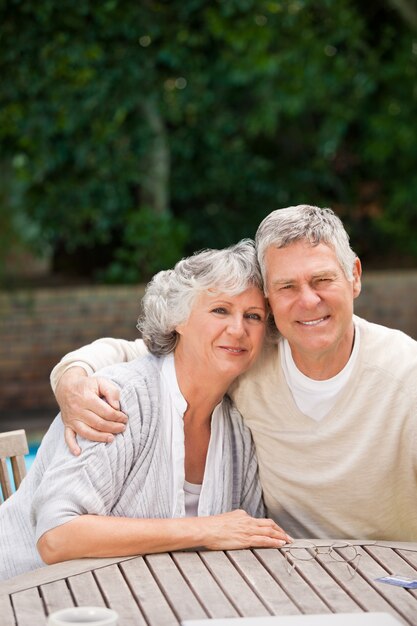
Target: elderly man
point(331, 403)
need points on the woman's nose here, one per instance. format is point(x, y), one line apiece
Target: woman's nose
point(236, 326)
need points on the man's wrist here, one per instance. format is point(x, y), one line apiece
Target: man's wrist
point(69, 376)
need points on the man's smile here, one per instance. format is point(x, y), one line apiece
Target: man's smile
point(313, 322)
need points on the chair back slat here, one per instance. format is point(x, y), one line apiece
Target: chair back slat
point(18, 469)
point(6, 486)
point(13, 445)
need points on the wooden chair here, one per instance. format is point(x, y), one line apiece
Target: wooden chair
point(13, 445)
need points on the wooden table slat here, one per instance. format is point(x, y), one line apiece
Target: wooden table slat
point(56, 596)
point(118, 596)
point(208, 591)
point(391, 561)
point(399, 599)
point(410, 556)
point(176, 590)
point(319, 576)
point(85, 591)
point(6, 612)
point(326, 587)
point(29, 608)
point(54, 572)
point(164, 589)
point(296, 587)
point(357, 587)
point(271, 594)
point(395, 562)
point(235, 587)
point(149, 596)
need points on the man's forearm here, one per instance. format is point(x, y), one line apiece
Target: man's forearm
point(99, 354)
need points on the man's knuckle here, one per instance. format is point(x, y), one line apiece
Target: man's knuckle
point(97, 423)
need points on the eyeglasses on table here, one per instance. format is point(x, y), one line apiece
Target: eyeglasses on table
point(303, 551)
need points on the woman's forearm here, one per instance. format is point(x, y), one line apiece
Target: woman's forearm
point(102, 536)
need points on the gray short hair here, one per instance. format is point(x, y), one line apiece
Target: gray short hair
point(170, 295)
point(304, 222)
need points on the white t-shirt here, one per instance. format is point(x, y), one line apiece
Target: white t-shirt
point(192, 497)
point(315, 398)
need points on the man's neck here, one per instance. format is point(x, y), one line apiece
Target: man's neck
point(327, 364)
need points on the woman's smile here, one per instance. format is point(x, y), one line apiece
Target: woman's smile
point(223, 334)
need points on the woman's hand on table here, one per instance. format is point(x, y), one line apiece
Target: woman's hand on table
point(238, 530)
point(106, 536)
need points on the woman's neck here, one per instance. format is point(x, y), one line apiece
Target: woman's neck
point(201, 391)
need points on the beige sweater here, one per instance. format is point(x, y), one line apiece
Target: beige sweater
point(354, 473)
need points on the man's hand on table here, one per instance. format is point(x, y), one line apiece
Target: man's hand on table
point(89, 408)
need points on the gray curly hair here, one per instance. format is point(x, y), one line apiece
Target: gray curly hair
point(304, 222)
point(170, 295)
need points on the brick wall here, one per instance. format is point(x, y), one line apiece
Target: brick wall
point(38, 326)
point(390, 298)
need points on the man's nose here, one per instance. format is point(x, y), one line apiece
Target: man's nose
point(308, 297)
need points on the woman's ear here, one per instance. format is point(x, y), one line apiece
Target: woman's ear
point(179, 329)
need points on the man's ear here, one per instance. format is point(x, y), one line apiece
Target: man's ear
point(357, 273)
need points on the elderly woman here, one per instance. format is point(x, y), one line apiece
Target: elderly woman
point(184, 472)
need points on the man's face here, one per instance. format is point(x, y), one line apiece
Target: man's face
point(312, 303)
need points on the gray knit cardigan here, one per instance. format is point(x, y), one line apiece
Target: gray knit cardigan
point(129, 477)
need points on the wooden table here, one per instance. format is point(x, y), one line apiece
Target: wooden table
point(163, 589)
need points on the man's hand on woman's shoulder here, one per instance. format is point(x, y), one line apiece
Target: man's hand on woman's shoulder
point(89, 408)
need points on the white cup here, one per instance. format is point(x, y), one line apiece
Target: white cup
point(84, 616)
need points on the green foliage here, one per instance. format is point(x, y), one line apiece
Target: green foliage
point(150, 243)
point(260, 104)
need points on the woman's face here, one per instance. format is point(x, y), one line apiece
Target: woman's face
point(224, 334)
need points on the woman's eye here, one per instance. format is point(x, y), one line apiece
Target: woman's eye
point(220, 310)
point(254, 316)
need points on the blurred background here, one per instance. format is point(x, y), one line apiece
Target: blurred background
point(133, 133)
